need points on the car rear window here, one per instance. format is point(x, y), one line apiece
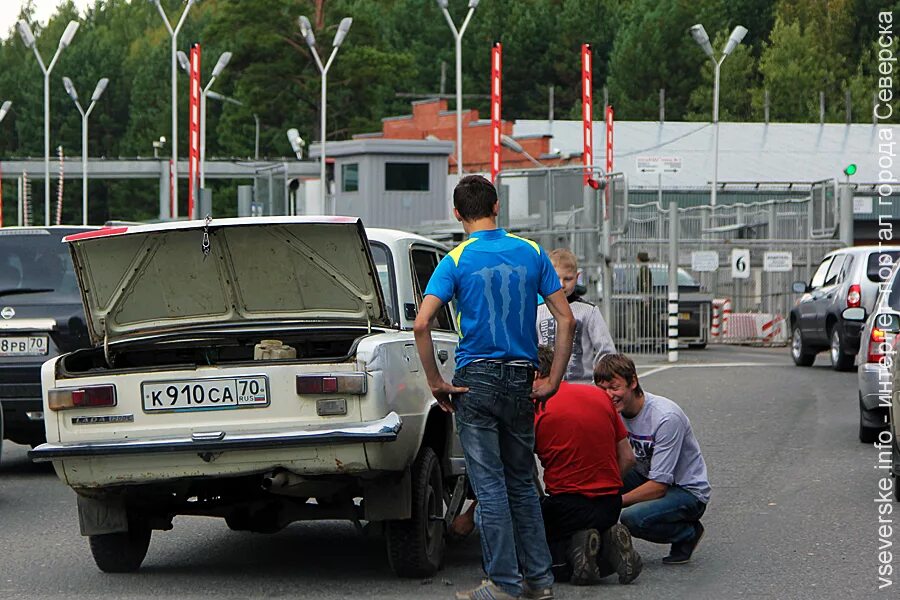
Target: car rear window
point(879, 264)
point(35, 266)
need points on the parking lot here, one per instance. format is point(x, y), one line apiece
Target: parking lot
point(792, 514)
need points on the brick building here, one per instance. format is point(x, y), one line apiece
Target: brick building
point(430, 119)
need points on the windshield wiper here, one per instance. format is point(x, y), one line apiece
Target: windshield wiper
point(16, 291)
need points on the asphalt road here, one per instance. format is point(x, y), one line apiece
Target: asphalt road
point(792, 516)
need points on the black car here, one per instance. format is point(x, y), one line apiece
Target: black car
point(41, 316)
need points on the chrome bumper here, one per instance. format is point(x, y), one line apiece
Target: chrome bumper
point(382, 430)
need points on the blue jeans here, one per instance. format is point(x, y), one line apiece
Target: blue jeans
point(495, 419)
point(667, 520)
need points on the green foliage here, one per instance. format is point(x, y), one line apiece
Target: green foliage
point(794, 48)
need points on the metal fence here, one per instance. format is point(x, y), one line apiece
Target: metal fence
point(780, 232)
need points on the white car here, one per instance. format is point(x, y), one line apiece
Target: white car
point(261, 370)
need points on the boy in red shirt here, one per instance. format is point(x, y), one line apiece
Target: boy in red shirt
point(583, 446)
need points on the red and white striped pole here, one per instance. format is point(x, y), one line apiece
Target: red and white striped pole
point(496, 132)
point(194, 139)
point(587, 112)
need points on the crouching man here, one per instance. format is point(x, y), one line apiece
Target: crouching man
point(583, 447)
point(667, 491)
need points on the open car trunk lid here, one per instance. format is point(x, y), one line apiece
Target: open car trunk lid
point(152, 279)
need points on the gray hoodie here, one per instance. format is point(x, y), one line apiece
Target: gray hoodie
point(591, 341)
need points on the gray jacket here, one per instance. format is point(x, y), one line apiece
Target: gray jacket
point(592, 338)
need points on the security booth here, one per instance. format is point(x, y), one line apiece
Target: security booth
point(389, 183)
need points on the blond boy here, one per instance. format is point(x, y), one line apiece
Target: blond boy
point(592, 338)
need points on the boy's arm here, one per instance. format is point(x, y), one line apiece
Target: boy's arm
point(601, 339)
point(562, 349)
point(624, 456)
point(440, 389)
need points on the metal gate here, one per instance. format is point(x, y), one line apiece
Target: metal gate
point(655, 280)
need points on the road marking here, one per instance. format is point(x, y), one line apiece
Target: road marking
point(655, 370)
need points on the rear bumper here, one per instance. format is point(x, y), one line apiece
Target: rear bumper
point(871, 376)
point(381, 430)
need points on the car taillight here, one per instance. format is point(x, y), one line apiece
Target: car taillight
point(332, 383)
point(854, 296)
point(83, 397)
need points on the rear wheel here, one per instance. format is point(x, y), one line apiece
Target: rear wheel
point(801, 354)
point(121, 552)
point(840, 360)
point(416, 545)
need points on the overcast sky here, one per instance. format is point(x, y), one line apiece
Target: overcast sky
point(9, 10)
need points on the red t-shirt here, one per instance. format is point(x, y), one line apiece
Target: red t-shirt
point(575, 437)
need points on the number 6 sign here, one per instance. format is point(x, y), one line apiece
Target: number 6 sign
point(740, 264)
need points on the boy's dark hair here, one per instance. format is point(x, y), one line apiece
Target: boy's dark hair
point(474, 197)
point(545, 360)
point(611, 365)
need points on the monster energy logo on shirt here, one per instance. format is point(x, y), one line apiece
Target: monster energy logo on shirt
point(505, 292)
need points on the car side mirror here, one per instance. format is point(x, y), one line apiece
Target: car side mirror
point(799, 287)
point(854, 314)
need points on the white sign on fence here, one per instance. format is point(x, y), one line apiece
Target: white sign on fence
point(704, 261)
point(862, 205)
point(740, 264)
point(658, 164)
point(778, 262)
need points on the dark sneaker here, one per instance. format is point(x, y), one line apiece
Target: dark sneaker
point(536, 593)
point(682, 551)
point(582, 555)
point(618, 551)
point(486, 591)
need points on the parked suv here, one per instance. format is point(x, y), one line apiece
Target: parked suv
point(41, 316)
point(846, 278)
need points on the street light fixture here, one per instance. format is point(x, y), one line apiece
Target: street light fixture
point(308, 35)
point(173, 33)
point(5, 109)
point(98, 91)
point(698, 32)
point(457, 35)
point(28, 39)
point(224, 98)
point(515, 146)
point(297, 143)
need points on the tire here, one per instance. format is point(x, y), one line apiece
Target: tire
point(121, 552)
point(840, 360)
point(415, 546)
point(799, 351)
point(867, 435)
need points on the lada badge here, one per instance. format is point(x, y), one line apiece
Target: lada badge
point(8, 312)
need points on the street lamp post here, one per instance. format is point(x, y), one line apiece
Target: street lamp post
point(229, 100)
point(307, 32)
point(515, 146)
point(457, 35)
point(98, 91)
point(28, 39)
point(173, 33)
point(699, 34)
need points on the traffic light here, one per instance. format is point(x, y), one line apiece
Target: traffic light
point(850, 169)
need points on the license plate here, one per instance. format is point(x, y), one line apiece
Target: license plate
point(684, 316)
point(205, 394)
point(28, 345)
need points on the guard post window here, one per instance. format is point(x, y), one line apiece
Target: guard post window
point(406, 177)
point(350, 177)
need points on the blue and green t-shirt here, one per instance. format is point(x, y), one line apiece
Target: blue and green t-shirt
point(496, 278)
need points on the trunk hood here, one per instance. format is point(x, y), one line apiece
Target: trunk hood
point(156, 278)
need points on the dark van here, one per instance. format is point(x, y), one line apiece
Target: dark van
point(41, 316)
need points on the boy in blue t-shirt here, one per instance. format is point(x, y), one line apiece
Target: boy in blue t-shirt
point(495, 278)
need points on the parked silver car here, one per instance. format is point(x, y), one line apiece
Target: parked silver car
point(874, 359)
point(846, 278)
